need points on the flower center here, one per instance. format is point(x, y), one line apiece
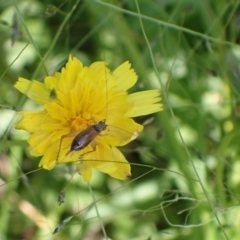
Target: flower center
point(81, 122)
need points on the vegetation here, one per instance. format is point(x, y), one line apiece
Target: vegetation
point(185, 164)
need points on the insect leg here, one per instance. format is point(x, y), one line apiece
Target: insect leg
point(72, 134)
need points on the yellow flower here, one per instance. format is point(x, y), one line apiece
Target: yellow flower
point(79, 97)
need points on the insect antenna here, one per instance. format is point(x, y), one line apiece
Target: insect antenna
point(106, 89)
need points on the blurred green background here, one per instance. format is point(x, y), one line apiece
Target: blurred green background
point(185, 180)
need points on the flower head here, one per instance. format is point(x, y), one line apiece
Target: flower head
point(83, 98)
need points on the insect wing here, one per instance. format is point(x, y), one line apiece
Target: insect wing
point(84, 138)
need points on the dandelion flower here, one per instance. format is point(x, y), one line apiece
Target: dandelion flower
point(84, 96)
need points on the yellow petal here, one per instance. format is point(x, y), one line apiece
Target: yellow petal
point(56, 111)
point(31, 120)
point(85, 170)
point(146, 102)
point(112, 162)
point(118, 105)
point(106, 159)
point(88, 160)
point(48, 160)
point(120, 131)
point(126, 77)
point(35, 90)
point(101, 69)
point(69, 75)
point(40, 140)
point(51, 82)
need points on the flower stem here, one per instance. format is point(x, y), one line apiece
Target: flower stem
point(96, 208)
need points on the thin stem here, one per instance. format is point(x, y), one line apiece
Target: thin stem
point(166, 24)
point(96, 208)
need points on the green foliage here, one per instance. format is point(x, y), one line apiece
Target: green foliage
point(185, 165)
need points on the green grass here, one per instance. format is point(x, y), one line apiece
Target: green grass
point(185, 183)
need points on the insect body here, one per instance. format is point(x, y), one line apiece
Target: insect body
point(84, 138)
point(87, 136)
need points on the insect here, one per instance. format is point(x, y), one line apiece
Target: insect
point(87, 135)
point(84, 138)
